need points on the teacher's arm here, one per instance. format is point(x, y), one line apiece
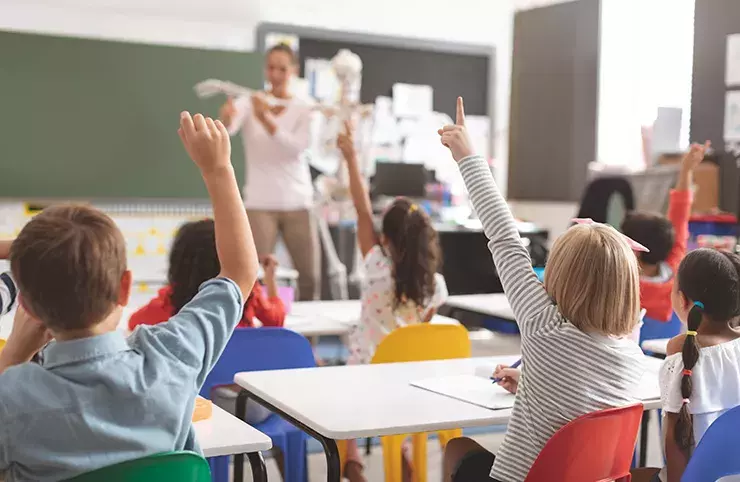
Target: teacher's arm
point(293, 141)
point(234, 112)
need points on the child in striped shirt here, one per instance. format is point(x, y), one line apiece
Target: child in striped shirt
point(577, 356)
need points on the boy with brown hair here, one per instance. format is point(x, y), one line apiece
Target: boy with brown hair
point(98, 398)
point(666, 238)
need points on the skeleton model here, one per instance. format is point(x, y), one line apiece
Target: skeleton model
point(331, 189)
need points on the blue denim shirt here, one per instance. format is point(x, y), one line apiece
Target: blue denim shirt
point(98, 401)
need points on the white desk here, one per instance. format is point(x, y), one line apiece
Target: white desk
point(224, 434)
point(323, 318)
point(493, 304)
point(658, 346)
point(319, 401)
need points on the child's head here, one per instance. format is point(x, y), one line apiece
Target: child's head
point(593, 277)
point(70, 265)
point(708, 290)
point(193, 260)
point(410, 238)
point(653, 231)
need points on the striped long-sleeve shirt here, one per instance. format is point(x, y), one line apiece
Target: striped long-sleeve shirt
point(8, 293)
point(566, 373)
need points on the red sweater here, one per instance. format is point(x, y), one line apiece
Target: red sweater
point(269, 310)
point(656, 297)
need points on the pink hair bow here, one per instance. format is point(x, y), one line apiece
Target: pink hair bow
point(633, 244)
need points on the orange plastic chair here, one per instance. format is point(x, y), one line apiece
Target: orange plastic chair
point(595, 447)
point(420, 342)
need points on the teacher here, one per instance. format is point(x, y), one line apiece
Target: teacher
point(278, 193)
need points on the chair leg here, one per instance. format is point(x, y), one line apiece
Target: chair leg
point(392, 446)
point(219, 468)
point(294, 457)
point(420, 456)
point(368, 446)
point(446, 435)
point(342, 448)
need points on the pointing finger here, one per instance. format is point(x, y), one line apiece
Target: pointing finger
point(460, 118)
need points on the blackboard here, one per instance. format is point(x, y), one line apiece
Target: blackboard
point(93, 119)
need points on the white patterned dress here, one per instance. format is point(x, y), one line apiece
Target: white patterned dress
point(378, 316)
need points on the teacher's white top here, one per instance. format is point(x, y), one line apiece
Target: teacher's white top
point(278, 177)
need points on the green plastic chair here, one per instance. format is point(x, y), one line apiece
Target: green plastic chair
point(164, 467)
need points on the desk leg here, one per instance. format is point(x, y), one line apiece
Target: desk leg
point(241, 414)
point(259, 471)
point(333, 465)
point(644, 437)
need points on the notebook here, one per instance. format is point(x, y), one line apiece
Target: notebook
point(469, 388)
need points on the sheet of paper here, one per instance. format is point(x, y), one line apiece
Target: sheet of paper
point(411, 100)
point(732, 116)
point(469, 388)
point(732, 61)
point(322, 81)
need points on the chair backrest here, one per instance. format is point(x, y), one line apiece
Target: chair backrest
point(423, 342)
point(165, 467)
point(259, 349)
point(592, 448)
point(598, 196)
point(716, 454)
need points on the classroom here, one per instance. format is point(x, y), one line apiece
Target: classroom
point(294, 240)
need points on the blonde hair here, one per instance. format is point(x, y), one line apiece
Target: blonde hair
point(593, 277)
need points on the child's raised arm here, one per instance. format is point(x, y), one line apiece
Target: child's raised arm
point(366, 237)
point(679, 207)
point(523, 290)
point(209, 146)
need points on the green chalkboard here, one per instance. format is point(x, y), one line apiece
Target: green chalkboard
point(92, 119)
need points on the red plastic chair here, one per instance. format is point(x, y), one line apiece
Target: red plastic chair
point(596, 447)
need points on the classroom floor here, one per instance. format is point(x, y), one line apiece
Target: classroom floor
point(485, 343)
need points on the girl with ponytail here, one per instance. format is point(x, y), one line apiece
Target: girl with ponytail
point(700, 379)
point(401, 285)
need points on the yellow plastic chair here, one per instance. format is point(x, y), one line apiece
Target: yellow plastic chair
point(420, 342)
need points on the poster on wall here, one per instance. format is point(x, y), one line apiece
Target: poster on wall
point(732, 116)
point(732, 61)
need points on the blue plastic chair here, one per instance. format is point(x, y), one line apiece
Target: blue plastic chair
point(259, 349)
point(654, 329)
point(716, 454)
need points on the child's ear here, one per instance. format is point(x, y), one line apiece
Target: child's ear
point(125, 291)
point(685, 302)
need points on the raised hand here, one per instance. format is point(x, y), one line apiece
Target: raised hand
point(269, 264)
point(690, 161)
point(695, 155)
point(455, 137)
point(346, 141)
point(206, 141)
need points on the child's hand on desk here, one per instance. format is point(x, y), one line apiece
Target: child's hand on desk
point(455, 137)
point(346, 141)
point(206, 141)
point(28, 336)
point(509, 377)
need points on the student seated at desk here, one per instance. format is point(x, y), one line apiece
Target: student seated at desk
point(577, 357)
point(194, 260)
point(666, 239)
point(401, 285)
point(98, 398)
point(700, 378)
